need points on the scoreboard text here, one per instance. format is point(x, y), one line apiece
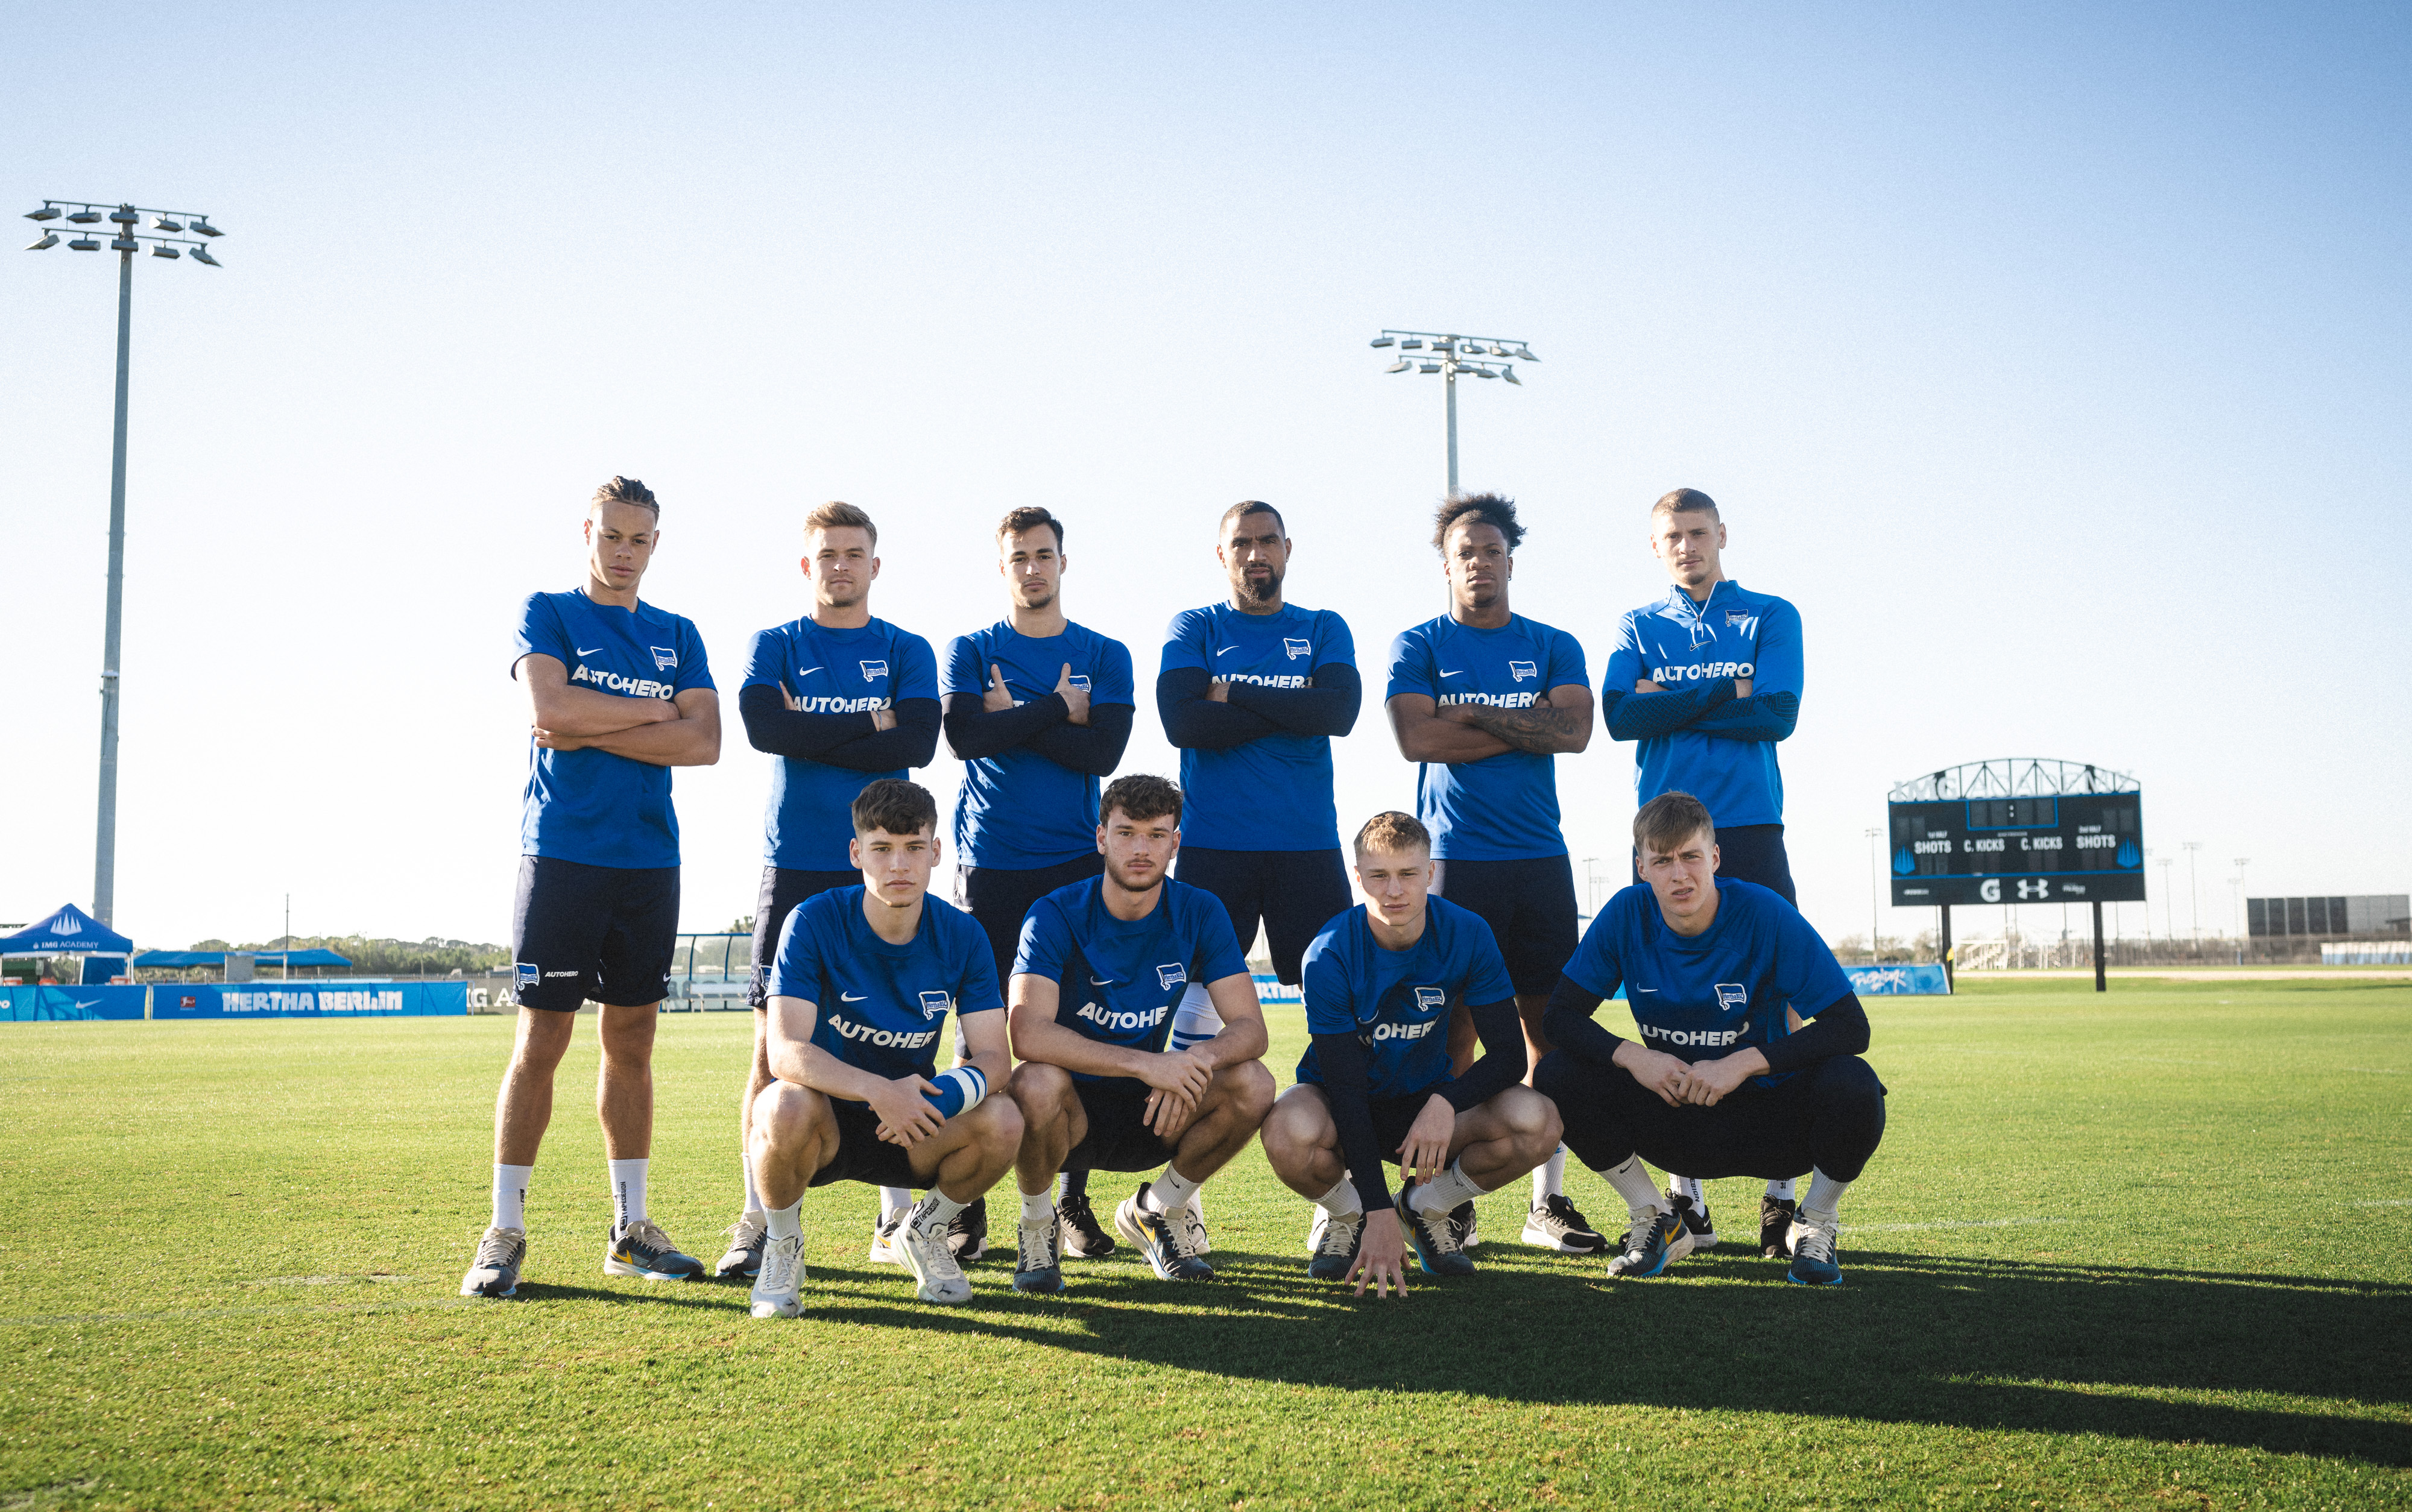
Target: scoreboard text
point(2075, 847)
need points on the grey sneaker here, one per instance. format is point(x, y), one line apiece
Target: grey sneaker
point(1336, 1250)
point(745, 1257)
point(1554, 1225)
point(1037, 1265)
point(778, 1290)
point(1656, 1241)
point(922, 1243)
point(494, 1272)
point(641, 1249)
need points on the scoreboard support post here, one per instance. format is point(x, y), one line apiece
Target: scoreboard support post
point(1949, 985)
point(2100, 984)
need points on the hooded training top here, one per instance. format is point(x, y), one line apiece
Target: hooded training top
point(809, 820)
point(592, 806)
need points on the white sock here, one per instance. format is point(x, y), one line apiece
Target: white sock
point(510, 1194)
point(788, 1222)
point(1825, 1192)
point(1780, 1191)
point(1550, 1177)
point(1195, 1022)
point(753, 1194)
point(1170, 1193)
point(628, 1192)
point(1342, 1200)
point(944, 1207)
point(1685, 1186)
point(893, 1201)
point(1445, 1191)
point(1037, 1206)
point(1633, 1183)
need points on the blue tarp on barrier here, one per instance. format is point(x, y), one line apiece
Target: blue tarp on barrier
point(308, 1000)
point(49, 1005)
point(1894, 981)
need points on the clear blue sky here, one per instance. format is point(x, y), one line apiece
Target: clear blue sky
point(2053, 359)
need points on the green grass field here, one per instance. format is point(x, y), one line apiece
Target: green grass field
point(2147, 1250)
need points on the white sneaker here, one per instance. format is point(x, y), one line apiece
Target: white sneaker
point(1192, 1224)
point(1316, 1228)
point(922, 1243)
point(883, 1240)
point(778, 1286)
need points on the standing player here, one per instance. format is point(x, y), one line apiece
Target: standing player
point(1708, 679)
point(1038, 708)
point(1253, 690)
point(841, 699)
point(1719, 1084)
point(618, 694)
point(1102, 966)
point(1485, 700)
point(859, 995)
point(1382, 981)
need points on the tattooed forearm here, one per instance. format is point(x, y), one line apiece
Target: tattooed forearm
point(1540, 729)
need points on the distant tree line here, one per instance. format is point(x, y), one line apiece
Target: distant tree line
point(383, 958)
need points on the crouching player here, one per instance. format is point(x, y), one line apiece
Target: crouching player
point(1103, 965)
point(1719, 1084)
point(1381, 982)
point(858, 994)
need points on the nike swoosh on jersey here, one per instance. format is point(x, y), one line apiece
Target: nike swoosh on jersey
point(808, 671)
point(851, 997)
point(1646, 990)
point(588, 651)
point(1101, 982)
point(1459, 672)
point(1227, 651)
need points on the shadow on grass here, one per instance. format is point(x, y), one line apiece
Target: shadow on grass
point(1907, 1339)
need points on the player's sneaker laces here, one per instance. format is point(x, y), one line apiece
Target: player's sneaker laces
point(494, 1269)
point(1696, 1218)
point(1193, 1225)
point(1159, 1237)
point(1775, 1216)
point(1656, 1241)
point(1335, 1249)
point(1077, 1229)
point(1813, 1251)
point(1463, 1220)
point(967, 1236)
point(922, 1242)
point(883, 1239)
point(1554, 1224)
point(1037, 1266)
point(778, 1282)
point(1433, 1239)
point(641, 1249)
point(746, 1238)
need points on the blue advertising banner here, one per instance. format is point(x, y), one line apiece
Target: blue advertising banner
point(1894, 981)
point(52, 1004)
point(308, 1000)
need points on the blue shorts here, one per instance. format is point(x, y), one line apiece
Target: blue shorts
point(1000, 897)
point(581, 931)
point(1530, 906)
point(1294, 893)
point(783, 890)
point(1752, 853)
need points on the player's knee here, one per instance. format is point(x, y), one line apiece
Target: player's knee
point(1039, 1089)
point(785, 1114)
point(1250, 1088)
point(998, 1124)
point(1849, 1080)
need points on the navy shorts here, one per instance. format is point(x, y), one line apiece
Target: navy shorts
point(1829, 1116)
point(783, 890)
point(1394, 1116)
point(862, 1155)
point(580, 932)
point(1530, 906)
point(1752, 853)
point(1294, 893)
point(1001, 897)
point(1119, 1138)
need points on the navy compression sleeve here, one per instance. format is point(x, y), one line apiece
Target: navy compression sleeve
point(1841, 1028)
point(1328, 707)
point(1502, 1063)
point(1341, 1060)
point(771, 726)
point(974, 731)
point(1568, 1024)
point(1642, 716)
point(1760, 718)
point(1194, 722)
point(1094, 748)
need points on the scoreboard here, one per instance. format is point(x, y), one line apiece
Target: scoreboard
point(2067, 847)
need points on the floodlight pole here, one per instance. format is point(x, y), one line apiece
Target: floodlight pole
point(104, 865)
point(1485, 357)
point(1448, 388)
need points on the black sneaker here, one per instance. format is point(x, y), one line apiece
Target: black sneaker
point(1076, 1227)
point(1656, 1241)
point(967, 1236)
point(1696, 1219)
point(1034, 1264)
point(1461, 1220)
point(1554, 1224)
point(746, 1238)
point(1775, 1227)
point(1336, 1243)
point(1158, 1236)
point(1434, 1242)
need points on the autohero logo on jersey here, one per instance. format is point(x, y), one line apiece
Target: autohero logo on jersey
point(863, 1034)
point(1496, 701)
point(632, 687)
point(1699, 1037)
point(830, 704)
point(1706, 671)
point(1122, 1020)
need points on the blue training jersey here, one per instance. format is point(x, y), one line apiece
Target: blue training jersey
point(1704, 998)
point(1675, 644)
point(1274, 792)
point(881, 1006)
point(592, 806)
point(1504, 807)
point(809, 820)
point(1019, 809)
point(1120, 980)
point(1398, 1002)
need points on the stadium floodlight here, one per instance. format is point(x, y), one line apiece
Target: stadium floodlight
point(1453, 354)
point(201, 255)
point(1400, 366)
point(128, 240)
point(50, 239)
